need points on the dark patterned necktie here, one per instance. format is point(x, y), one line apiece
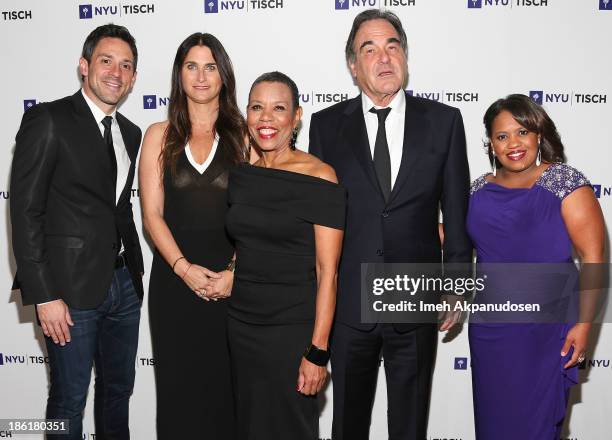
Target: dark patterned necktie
point(382, 159)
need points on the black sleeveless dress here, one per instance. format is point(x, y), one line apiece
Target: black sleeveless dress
point(272, 308)
point(188, 334)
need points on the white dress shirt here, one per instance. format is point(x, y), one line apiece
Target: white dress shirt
point(123, 160)
point(394, 126)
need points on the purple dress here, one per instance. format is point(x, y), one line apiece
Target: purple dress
point(520, 388)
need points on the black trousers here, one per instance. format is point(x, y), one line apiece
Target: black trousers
point(408, 359)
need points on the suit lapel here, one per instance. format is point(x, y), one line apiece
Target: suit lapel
point(416, 140)
point(131, 151)
point(355, 136)
point(95, 141)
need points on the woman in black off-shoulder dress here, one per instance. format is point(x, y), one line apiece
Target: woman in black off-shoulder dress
point(286, 216)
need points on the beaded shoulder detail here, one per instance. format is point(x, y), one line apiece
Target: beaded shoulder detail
point(562, 179)
point(478, 183)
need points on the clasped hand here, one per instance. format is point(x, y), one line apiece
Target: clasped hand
point(208, 284)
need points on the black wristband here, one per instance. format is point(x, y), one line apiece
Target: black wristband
point(316, 355)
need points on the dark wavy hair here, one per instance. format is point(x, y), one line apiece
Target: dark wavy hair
point(230, 124)
point(280, 77)
point(534, 118)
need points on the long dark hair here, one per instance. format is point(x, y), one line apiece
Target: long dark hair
point(230, 124)
point(534, 118)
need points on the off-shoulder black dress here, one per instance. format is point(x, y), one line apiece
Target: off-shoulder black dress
point(272, 308)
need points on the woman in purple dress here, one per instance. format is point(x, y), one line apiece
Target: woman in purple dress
point(531, 209)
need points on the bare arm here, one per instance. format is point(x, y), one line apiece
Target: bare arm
point(585, 224)
point(328, 245)
point(152, 200)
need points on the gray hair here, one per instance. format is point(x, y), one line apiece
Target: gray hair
point(374, 14)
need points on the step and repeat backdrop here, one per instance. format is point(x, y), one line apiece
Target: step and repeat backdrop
point(464, 53)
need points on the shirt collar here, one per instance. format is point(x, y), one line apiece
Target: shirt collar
point(97, 111)
point(397, 104)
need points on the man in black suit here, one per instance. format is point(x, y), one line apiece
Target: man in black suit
point(401, 158)
point(77, 250)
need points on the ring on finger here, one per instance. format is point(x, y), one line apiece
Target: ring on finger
point(581, 358)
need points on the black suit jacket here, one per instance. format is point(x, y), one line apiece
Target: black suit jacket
point(433, 173)
point(63, 210)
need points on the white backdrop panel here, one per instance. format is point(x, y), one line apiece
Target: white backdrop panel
point(466, 53)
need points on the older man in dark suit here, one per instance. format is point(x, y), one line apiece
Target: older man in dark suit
point(77, 250)
point(401, 158)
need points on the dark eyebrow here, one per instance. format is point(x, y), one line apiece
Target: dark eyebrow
point(389, 40)
point(106, 55)
point(365, 43)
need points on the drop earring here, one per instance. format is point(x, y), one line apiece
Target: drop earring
point(539, 156)
point(294, 135)
point(493, 164)
point(251, 145)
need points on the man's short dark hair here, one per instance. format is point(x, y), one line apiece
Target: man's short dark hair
point(108, 31)
point(374, 14)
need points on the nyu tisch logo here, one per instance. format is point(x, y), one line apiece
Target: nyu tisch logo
point(473, 4)
point(12, 359)
point(28, 104)
point(346, 4)
point(605, 5)
point(149, 102)
point(602, 191)
point(88, 11)
point(537, 96)
point(85, 11)
point(594, 363)
point(461, 363)
point(211, 6)
point(453, 96)
point(564, 97)
point(342, 4)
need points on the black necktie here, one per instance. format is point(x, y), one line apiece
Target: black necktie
point(108, 139)
point(382, 159)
